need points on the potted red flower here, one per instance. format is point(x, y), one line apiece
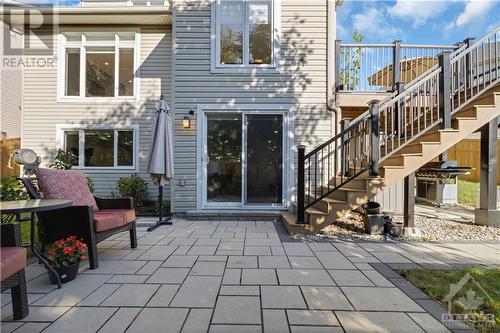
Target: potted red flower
point(65, 256)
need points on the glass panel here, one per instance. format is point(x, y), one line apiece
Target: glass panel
point(73, 37)
point(224, 158)
point(260, 32)
point(73, 72)
point(231, 32)
point(125, 148)
point(100, 80)
point(100, 37)
point(71, 145)
point(99, 148)
point(126, 36)
point(126, 74)
point(264, 159)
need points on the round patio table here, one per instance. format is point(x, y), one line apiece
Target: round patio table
point(34, 206)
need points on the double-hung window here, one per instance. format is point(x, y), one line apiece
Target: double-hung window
point(98, 64)
point(246, 34)
point(97, 148)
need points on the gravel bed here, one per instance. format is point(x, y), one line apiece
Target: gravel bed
point(431, 228)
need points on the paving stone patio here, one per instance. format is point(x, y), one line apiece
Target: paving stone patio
point(243, 276)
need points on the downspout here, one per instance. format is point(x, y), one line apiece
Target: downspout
point(330, 64)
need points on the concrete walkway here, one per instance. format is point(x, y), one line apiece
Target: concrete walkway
point(243, 276)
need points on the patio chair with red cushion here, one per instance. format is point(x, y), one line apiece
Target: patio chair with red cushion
point(91, 218)
point(12, 264)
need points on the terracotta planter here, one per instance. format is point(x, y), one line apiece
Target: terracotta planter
point(65, 273)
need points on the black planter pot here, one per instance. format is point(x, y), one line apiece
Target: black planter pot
point(394, 228)
point(65, 273)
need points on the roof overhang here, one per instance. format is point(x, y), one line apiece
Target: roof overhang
point(78, 15)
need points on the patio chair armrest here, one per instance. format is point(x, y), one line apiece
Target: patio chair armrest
point(10, 234)
point(116, 203)
point(64, 222)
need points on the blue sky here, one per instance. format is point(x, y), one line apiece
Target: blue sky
point(417, 21)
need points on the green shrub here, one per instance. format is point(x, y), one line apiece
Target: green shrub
point(135, 187)
point(12, 189)
point(65, 160)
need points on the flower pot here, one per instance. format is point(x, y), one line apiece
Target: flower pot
point(66, 274)
point(374, 224)
point(371, 207)
point(394, 228)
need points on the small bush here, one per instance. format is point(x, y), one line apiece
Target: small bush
point(12, 189)
point(135, 187)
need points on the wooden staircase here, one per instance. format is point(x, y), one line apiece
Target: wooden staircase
point(403, 156)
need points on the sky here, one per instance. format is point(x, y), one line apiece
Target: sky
point(412, 21)
point(417, 21)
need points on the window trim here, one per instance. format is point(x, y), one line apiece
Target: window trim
point(82, 45)
point(216, 67)
point(61, 128)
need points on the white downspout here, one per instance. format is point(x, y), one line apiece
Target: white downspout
point(330, 79)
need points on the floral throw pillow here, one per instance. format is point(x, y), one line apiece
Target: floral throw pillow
point(65, 184)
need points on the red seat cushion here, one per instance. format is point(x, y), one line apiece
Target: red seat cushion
point(12, 260)
point(65, 184)
point(106, 219)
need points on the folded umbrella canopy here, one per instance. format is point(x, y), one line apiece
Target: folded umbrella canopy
point(161, 157)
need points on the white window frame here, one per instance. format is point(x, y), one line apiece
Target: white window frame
point(63, 44)
point(217, 67)
point(60, 145)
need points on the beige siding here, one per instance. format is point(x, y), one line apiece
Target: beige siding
point(301, 81)
point(42, 111)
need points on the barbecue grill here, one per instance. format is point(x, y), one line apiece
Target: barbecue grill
point(437, 182)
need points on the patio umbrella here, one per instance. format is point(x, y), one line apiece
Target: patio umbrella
point(410, 70)
point(161, 157)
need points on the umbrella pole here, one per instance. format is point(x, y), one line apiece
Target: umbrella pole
point(161, 221)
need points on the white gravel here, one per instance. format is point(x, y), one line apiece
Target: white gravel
point(442, 228)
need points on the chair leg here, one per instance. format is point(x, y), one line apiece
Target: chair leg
point(93, 261)
point(133, 236)
point(20, 297)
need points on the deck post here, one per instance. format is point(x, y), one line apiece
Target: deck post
point(445, 89)
point(337, 64)
point(396, 64)
point(487, 213)
point(374, 138)
point(400, 108)
point(409, 201)
point(301, 152)
point(344, 149)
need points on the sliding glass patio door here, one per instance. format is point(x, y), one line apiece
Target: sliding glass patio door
point(243, 160)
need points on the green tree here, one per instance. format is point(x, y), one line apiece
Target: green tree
point(349, 77)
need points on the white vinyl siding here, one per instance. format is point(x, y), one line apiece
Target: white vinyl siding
point(43, 112)
point(300, 81)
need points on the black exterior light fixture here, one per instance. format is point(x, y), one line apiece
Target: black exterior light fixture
point(186, 122)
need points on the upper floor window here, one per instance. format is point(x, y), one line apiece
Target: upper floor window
point(99, 64)
point(246, 34)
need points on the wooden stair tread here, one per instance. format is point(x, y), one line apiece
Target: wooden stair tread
point(315, 211)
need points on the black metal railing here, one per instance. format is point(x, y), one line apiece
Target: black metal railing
point(446, 87)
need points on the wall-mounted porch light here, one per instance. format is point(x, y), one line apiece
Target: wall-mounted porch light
point(186, 122)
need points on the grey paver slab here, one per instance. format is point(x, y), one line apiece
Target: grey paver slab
point(257, 251)
point(305, 262)
point(235, 329)
point(150, 267)
point(120, 320)
point(180, 261)
point(208, 268)
point(325, 298)
point(334, 260)
point(377, 322)
point(202, 250)
point(428, 323)
point(9, 326)
point(163, 296)
point(232, 276)
point(311, 277)
point(117, 267)
point(197, 292)
point(212, 258)
point(198, 321)
point(83, 319)
point(391, 257)
point(282, 297)
point(297, 249)
point(45, 313)
point(380, 299)
point(312, 317)
point(158, 252)
point(343, 277)
point(237, 310)
point(239, 290)
point(258, 276)
point(131, 295)
point(274, 321)
point(31, 328)
point(99, 295)
point(168, 275)
point(122, 278)
point(273, 262)
point(242, 262)
point(322, 247)
point(378, 279)
point(156, 320)
point(315, 329)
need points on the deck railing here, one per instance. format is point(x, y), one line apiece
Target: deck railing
point(376, 67)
